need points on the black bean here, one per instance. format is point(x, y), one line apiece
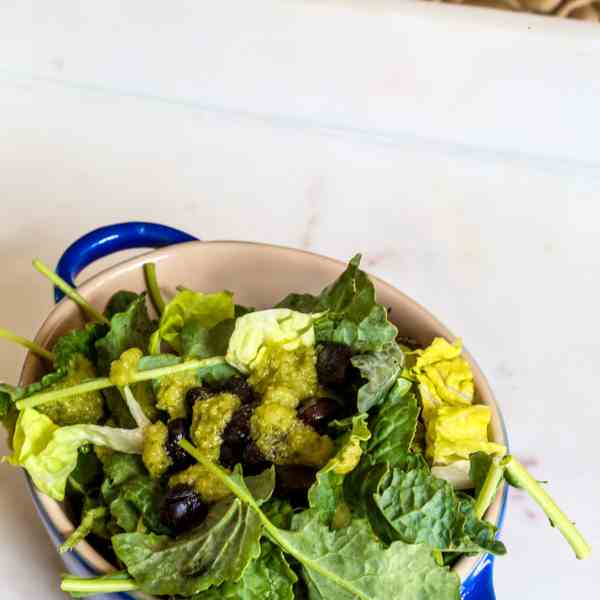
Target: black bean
point(193, 395)
point(182, 508)
point(293, 481)
point(177, 430)
point(254, 461)
point(333, 363)
point(318, 414)
point(238, 386)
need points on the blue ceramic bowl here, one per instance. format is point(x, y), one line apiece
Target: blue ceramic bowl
point(258, 274)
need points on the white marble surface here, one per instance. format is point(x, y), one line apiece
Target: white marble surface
point(495, 228)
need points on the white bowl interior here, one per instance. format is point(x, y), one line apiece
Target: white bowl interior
point(259, 275)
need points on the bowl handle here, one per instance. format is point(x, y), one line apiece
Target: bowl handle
point(480, 585)
point(114, 238)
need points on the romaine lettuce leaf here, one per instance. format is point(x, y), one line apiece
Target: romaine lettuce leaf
point(49, 453)
point(277, 326)
point(456, 432)
point(206, 310)
point(216, 551)
point(444, 376)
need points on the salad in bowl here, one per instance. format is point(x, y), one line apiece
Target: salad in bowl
point(311, 449)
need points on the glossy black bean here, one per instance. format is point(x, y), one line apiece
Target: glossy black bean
point(238, 386)
point(194, 394)
point(292, 483)
point(182, 508)
point(318, 414)
point(177, 430)
point(254, 461)
point(333, 363)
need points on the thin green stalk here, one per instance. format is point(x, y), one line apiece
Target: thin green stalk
point(488, 489)
point(153, 289)
point(240, 492)
point(105, 382)
point(92, 385)
point(30, 345)
point(82, 586)
point(70, 292)
point(522, 478)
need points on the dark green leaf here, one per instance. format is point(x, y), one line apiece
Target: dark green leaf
point(216, 373)
point(87, 474)
point(420, 509)
point(269, 577)
point(218, 550)
point(78, 341)
point(119, 302)
point(480, 465)
point(131, 494)
point(129, 329)
point(352, 316)
point(326, 495)
point(351, 563)
point(381, 370)
point(202, 342)
point(84, 529)
point(393, 428)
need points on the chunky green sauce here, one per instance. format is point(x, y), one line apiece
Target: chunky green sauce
point(209, 487)
point(83, 408)
point(154, 453)
point(171, 392)
point(210, 417)
point(285, 378)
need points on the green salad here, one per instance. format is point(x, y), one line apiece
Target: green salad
point(304, 451)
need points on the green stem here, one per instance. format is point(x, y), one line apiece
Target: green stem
point(221, 474)
point(70, 292)
point(105, 382)
point(92, 385)
point(522, 478)
point(153, 289)
point(97, 585)
point(488, 489)
point(35, 348)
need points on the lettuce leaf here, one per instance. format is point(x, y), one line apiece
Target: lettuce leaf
point(381, 370)
point(49, 453)
point(455, 428)
point(269, 577)
point(277, 326)
point(456, 432)
point(326, 494)
point(444, 376)
point(205, 310)
point(352, 315)
point(216, 551)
